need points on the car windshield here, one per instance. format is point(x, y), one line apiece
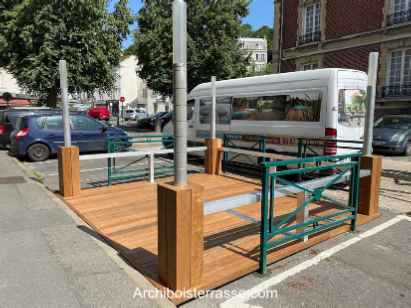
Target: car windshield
point(394, 122)
point(129, 111)
point(160, 115)
point(164, 115)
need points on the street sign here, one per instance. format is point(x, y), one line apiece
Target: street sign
point(122, 99)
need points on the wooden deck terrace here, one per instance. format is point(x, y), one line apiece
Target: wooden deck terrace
point(125, 215)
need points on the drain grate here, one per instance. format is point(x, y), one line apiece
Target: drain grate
point(12, 180)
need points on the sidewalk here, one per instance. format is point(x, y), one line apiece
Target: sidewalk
point(46, 258)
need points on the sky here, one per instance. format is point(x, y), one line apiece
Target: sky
point(261, 14)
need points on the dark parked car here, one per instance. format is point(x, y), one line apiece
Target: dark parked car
point(8, 119)
point(392, 134)
point(159, 119)
point(40, 136)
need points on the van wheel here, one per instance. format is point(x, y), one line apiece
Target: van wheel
point(38, 152)
point(407, 149)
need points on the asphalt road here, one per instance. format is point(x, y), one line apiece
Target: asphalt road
point(371, 268)
point(93, 173)
point(398, 158)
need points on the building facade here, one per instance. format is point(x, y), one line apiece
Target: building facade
point(134, 89)
point(256, 50)
point(9, 84)
point(311, 34)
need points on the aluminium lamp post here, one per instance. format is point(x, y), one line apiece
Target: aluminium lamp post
point(180, 90)
point(68, 156)
point(180, 209)
point(213, 108)
point(64, 94)
point(371, 93)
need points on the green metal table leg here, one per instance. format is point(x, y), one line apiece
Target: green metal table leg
point(264, 223)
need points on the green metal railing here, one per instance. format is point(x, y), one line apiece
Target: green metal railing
point(248, 164)
point(303, 147)
point(137, 168)
point(277, 231)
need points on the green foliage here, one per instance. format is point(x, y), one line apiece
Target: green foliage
point(267, 70)
point(213, 28)
point(36, 34)
point(267, 33)
point(246, 31)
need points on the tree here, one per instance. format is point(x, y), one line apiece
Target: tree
point(266, 71)
point(267, 33)
point(36, 34)
point(246, 30)
point(213, 28)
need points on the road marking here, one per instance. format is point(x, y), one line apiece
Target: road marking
point(406, 217)
point(240, 299)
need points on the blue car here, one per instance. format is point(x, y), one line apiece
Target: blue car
point(39, 136)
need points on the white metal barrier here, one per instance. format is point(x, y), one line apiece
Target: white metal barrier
point(257, 154)
point(150, 154)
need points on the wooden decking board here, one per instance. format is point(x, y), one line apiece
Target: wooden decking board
point(118, 197)
point(126, 216)
point(117, 210)
point(106, 190)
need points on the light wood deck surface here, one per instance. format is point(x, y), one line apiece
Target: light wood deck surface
point(126, 216)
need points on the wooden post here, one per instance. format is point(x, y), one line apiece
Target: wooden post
point(69, 171)
point(302, 216)
point(180, 235)
point(370, 186)
point(213, 156)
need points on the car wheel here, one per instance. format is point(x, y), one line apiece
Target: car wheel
point(38, 152)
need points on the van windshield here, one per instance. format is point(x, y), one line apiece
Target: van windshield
point(351, 107)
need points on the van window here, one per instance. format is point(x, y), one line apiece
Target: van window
point(305, 107)
point(223, 111)
point(190, 109)
point(351, 107)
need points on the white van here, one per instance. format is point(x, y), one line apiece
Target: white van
point(307, 104)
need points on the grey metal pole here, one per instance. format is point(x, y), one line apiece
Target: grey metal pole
point(180, 91)
point(371, 94)
point(64, 95)
point(213, 108)
point(180, 123)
